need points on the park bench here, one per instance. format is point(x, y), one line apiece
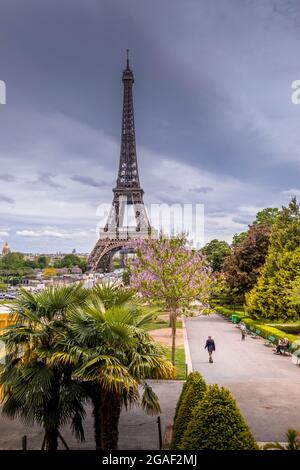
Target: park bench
point(271, 341)
point(255, 333)
point(250, 330)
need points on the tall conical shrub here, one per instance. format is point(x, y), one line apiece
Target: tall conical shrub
point(191, 394)
point(270, 298)
point(217, 424)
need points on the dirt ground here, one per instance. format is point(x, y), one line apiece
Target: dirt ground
point(164, 336)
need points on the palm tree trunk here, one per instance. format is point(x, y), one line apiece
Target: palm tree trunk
point(97, 410)
point(110, 415)
point(51, 438)
point(52, 410)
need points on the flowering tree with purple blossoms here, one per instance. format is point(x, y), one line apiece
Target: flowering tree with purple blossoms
point(168, 271)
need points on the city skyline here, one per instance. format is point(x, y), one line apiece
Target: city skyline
point(207, 106)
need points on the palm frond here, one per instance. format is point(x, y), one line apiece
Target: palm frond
point(150, 401)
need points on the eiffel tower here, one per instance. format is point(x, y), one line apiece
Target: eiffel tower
point(128, 192)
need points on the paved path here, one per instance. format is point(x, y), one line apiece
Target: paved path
point(266, 386)
point(136, 431)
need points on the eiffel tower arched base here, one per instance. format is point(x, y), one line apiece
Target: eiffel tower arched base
point(102, 255)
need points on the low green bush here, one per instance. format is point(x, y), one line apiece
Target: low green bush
point(293, 329)
point(217, 424)
point(267, 330)
point(183, 391)
point(227, 312)
point(191, 394)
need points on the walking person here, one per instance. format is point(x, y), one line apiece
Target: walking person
point(210, 345)
point(243, 331)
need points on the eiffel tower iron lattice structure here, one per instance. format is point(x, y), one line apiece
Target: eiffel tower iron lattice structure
point(128, 192)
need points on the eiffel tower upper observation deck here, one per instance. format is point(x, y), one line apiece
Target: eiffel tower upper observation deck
point(128, 192)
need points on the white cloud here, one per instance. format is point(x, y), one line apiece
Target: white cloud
point(250, 210)
point(4, 233)
point(292, 192)
point(51, 233)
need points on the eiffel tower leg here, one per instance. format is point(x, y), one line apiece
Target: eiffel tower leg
point(111, 263)
point(122, 260)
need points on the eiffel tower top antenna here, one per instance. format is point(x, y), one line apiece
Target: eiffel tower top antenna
point(127, 59)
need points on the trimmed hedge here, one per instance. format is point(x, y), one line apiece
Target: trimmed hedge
point(193, 391)
point(267, 330)
point(290, 328)
point(183, 391)
point(217, 424)
point(227, 312)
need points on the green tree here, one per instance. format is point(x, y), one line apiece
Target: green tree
point(216, 251)
point(294, 292)
point(242, 268)
point(269, 299)
point(13, 261)
point(35, 386)
point(238, 238)
point(191, 394)
point(70, 261)
point(42, 262)
point(217, 424)
point(266, 216)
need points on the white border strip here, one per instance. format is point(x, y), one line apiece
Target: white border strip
point(187, 347)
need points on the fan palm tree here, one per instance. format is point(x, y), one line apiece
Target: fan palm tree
point(33, 386)
point(115, 356)
point(293, 442)
point(112, 294)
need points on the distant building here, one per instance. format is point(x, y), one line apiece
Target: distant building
point(62, 271)
point(76, 270)
point(6, 249)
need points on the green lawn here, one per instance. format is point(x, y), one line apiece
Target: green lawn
point(159, 323)
point(179, 362)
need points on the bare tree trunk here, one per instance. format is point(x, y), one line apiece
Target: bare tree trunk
point(173, 326)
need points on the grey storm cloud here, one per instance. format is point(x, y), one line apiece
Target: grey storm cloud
point(88, 181)
point(47, 179)
point(212, 95)
point(242, 220)
point(202, 189)
point(7, 177)
point(6, 199)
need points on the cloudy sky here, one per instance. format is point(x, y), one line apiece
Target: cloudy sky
point(214, 118)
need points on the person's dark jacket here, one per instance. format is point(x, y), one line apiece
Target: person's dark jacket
point(210, 345)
